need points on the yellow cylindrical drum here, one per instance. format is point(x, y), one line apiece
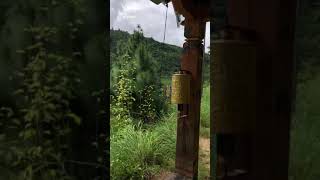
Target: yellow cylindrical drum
point(180, 88)
point(233, 86)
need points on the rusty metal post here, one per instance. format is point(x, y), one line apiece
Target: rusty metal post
point(189, 115)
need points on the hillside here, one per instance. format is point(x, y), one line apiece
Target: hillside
point(166, 55)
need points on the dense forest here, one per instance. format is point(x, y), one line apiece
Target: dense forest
point(167, 56)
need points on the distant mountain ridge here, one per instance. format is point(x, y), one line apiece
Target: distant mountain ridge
point(167, 56)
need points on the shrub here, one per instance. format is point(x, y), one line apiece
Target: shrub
point(123, 99)
point(43, 121)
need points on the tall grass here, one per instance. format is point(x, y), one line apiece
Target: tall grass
point(205, 112)
point(138, 153)
point(305, 136)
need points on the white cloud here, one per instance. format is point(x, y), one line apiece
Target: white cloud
point(127, 14)
point(116, 6)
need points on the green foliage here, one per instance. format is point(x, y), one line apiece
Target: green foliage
point(49, 82)
point(134, 42)
point(53, 45)
point(148, 85)
point(206, 69)
point(141, 85)
point(205, 106)
point(147, 70)
point(40, 125)
point(139, 154)
point(131, 155)
point(307, 40)
point(132, 147)
point(123, 100)
point(305, 139)
point(167, 56)
point(147, 104)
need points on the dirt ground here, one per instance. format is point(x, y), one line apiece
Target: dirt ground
point(204, 162)
point(204, 145)
point(204, 158)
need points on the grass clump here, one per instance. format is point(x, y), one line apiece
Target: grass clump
point(305, 137)
point(205, 112)
point(138, 153)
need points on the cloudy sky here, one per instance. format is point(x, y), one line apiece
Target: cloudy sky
point(127, 14)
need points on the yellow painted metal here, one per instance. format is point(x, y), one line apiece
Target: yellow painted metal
point(180, 93)
point(233, 83)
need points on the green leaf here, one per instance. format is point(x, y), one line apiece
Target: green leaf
point(75, 118)
point(29, 133)
point(16, 121)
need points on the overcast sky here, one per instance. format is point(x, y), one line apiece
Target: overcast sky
point(127, 14)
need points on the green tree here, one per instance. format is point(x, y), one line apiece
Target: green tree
point(149, 101)
point(43, 121)
point(122, 100)
point(148, 85)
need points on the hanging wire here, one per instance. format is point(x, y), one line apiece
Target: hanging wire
point(165, 24)
point(165, 29)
